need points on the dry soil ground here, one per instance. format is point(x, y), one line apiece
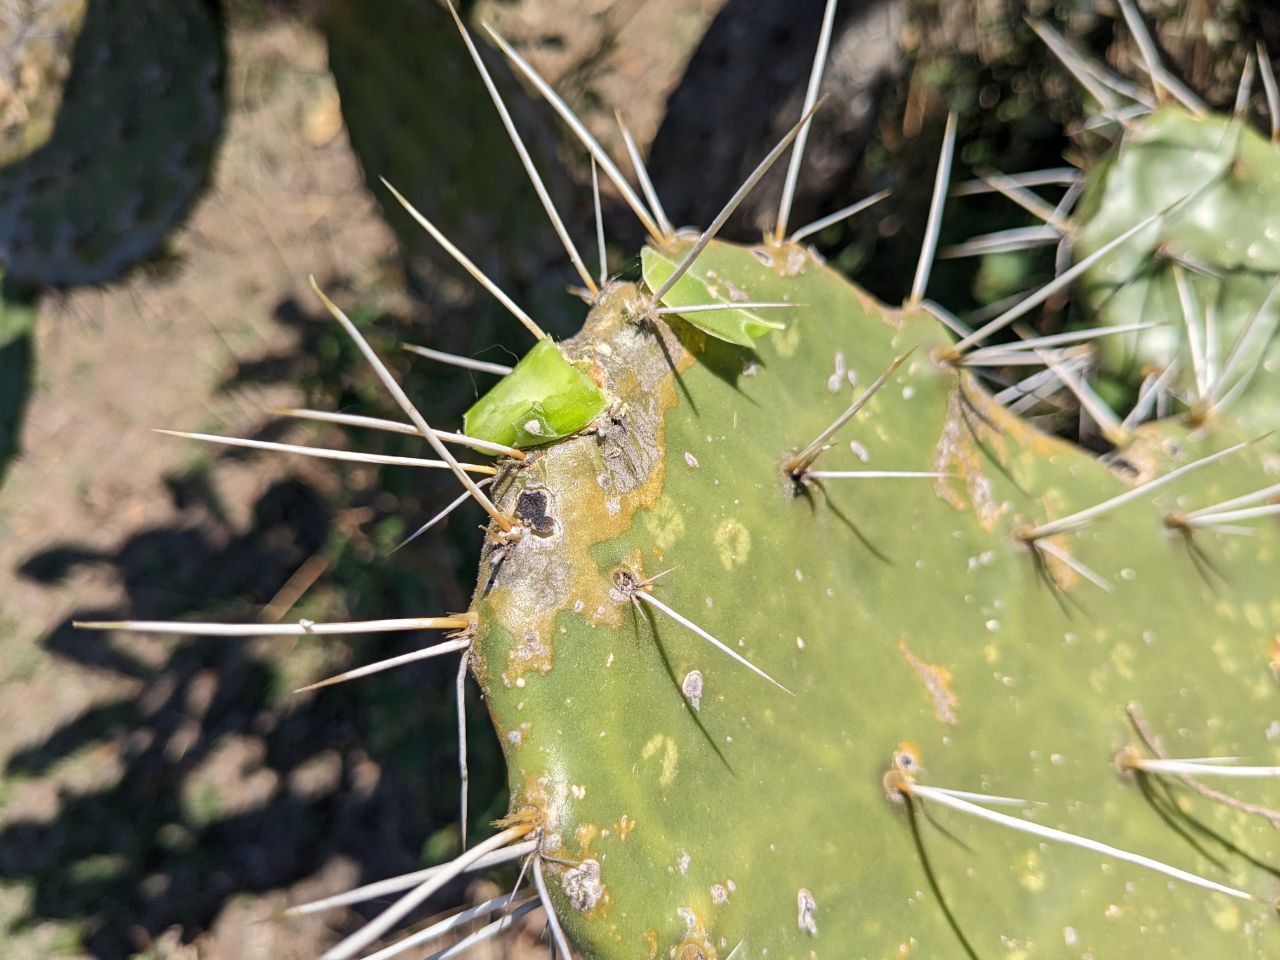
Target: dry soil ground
point(157, 796)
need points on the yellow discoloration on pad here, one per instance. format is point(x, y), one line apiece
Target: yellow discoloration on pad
point(1226, 916)
point(586, 835)
point(665, 523)
point(669, 760)
point(1253, 616)
point(733, 543)
point(787, 341)
point(1063, 574)
point(1030, 874)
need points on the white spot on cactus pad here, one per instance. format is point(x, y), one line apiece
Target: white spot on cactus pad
point(719, 894)
point(516, 735)
point(691, 460)
point(806, 907)
point(684, 862)
point(582, 885)
point(984, 559)
point(836, 380)
point(533, 428)
point(691, 687)
point(732, 291)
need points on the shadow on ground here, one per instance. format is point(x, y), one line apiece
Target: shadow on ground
point(226, 783)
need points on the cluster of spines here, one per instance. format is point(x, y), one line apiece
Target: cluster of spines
point(520, 837)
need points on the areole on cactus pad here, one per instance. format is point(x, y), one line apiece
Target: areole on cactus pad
point(798, 643)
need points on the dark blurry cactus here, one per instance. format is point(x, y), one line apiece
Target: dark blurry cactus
point(805, 645)
point(449, 155)
point(109, 114)
point(131, 142)
point(36, 39)
point(17, 317)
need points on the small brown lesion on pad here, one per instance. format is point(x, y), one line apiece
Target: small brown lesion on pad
point(937, 683)
point(959, 456)
point(586, 834)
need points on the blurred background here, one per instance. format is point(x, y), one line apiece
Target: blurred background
point(171, 171)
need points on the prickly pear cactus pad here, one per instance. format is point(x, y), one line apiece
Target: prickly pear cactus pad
point(1208, 272)
point(132, 142)
point(688, 804)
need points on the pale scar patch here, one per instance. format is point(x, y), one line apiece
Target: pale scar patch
point(669, 760)
point(664, 523)
point(733, 543)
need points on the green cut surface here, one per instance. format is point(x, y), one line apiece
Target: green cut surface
point(693, 806)
point(546, 397)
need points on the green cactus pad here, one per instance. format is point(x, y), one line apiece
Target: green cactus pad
point(132, 143)
point(1225, 239)
point(546, 397)
point(691, 805)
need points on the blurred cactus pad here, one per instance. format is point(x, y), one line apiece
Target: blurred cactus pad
point(1207, 275)
point(100, 169)
point(37, 38)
